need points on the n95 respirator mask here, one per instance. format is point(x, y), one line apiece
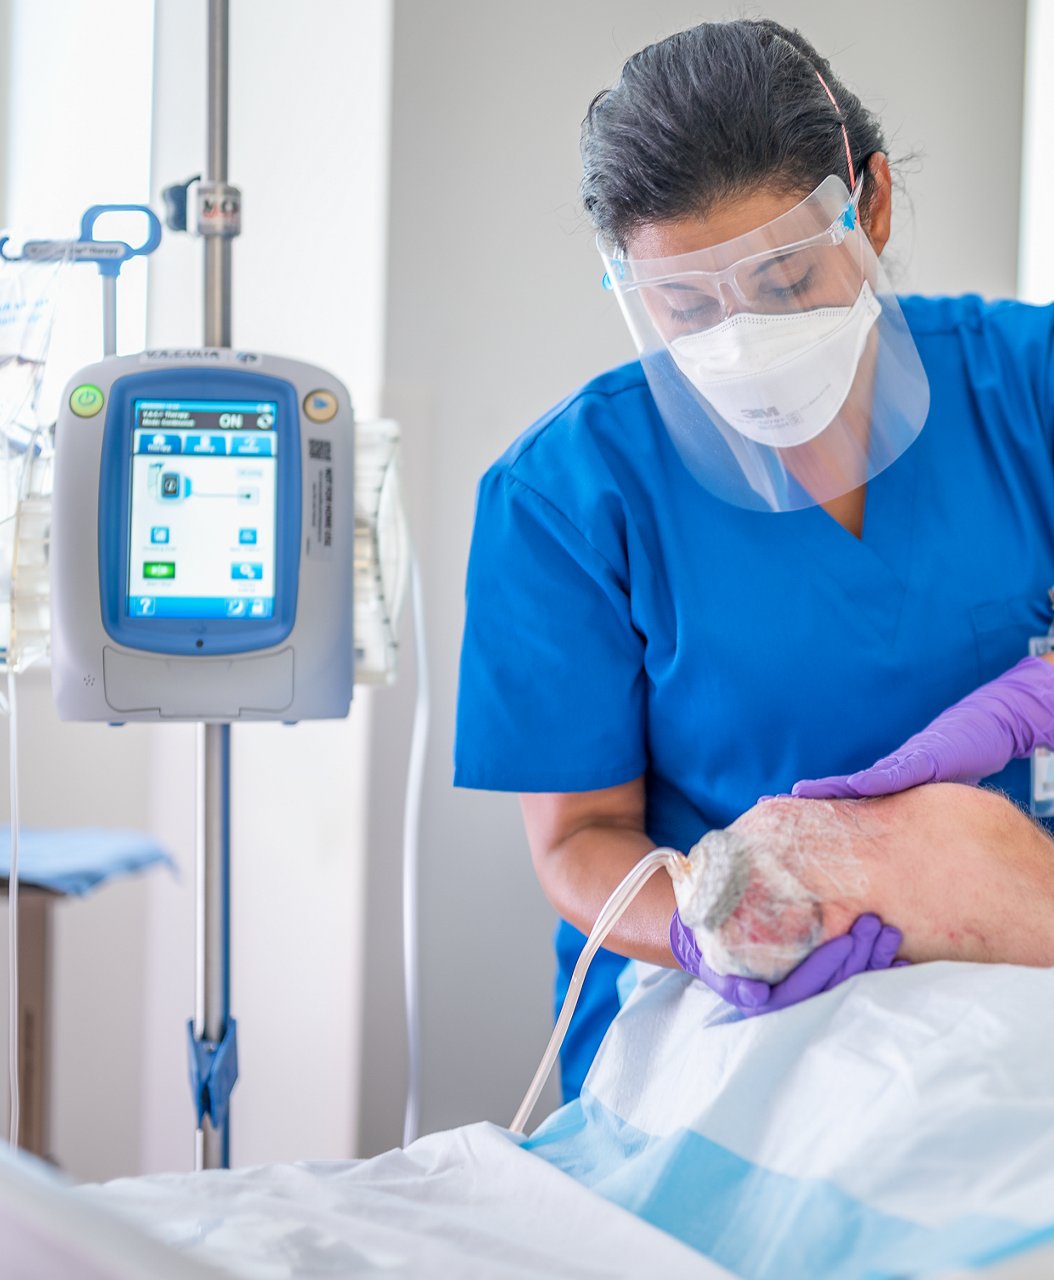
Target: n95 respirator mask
point(779, 379)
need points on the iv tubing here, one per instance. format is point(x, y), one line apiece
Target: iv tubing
point(12, 908)
point(411, 834)
point(610, 914)
point(14, 1090)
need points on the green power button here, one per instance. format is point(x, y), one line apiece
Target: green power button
point(86, 400)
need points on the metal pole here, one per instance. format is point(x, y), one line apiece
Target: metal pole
point(214, 850)
point(109, 315)
point(212, 1005)
point(218, 248)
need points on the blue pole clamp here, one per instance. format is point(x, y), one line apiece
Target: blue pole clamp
point(213, 1073)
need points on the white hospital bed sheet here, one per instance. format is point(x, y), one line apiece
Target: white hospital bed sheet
point(47, 1232)
point(465, 1203)
point(899, 1125)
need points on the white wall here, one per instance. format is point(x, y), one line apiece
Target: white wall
point(309, 99)
point(494, 312)
point(79, 94)
point(77, 115)
point(1036, 275)
point(308, 112)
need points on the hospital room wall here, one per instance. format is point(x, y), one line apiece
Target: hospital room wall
point(1036, 270)
point(308, 145)
point(52, 166)
point(495, 312)
point(308, 129)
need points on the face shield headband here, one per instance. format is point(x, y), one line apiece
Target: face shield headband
point(779, 361)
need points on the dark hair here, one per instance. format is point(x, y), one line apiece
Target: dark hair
point(714, 112)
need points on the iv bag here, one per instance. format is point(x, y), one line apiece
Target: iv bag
point(382, 551)
point(28, 297)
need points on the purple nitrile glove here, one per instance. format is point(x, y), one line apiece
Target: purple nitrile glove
point(869, 944)
point(1001, 721)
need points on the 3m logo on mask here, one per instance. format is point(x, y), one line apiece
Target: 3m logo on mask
point(803, 364)
point(771, 417)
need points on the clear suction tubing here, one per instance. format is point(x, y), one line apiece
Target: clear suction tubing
point(752, 893)
point(680, 870)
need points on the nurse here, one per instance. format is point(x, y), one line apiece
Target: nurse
point(809, 517)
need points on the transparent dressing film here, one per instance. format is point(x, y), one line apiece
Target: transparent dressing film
point(753, 893)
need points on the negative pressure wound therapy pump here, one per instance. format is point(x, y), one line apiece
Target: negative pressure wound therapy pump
point(202, 540)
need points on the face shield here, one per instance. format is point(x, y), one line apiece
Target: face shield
point(780, 361)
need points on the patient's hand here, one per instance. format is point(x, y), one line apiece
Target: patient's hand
point(961, 872)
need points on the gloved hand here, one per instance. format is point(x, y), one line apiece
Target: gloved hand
point(1001, 721)
point(869, 944)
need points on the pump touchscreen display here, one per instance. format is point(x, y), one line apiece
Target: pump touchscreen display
point(203, 506)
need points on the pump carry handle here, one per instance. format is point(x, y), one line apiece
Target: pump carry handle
point(108, 255)
point(112, 266)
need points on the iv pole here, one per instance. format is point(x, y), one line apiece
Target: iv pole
point(213, 1046)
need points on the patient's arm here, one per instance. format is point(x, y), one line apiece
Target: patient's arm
point(960, 871)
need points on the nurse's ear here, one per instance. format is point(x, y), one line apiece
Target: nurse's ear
point(877, 202)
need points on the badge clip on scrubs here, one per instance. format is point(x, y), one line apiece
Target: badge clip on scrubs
point(207, 575)
point(1042, 760)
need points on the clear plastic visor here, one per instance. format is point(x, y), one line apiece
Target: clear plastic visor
point(805, 259)
point(779, 361)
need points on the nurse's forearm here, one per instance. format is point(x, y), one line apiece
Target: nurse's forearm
point(582, 845)
point(586, 870)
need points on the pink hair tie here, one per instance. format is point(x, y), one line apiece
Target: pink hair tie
point(845, 135)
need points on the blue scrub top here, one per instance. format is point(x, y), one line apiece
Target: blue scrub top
point(623, 621)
